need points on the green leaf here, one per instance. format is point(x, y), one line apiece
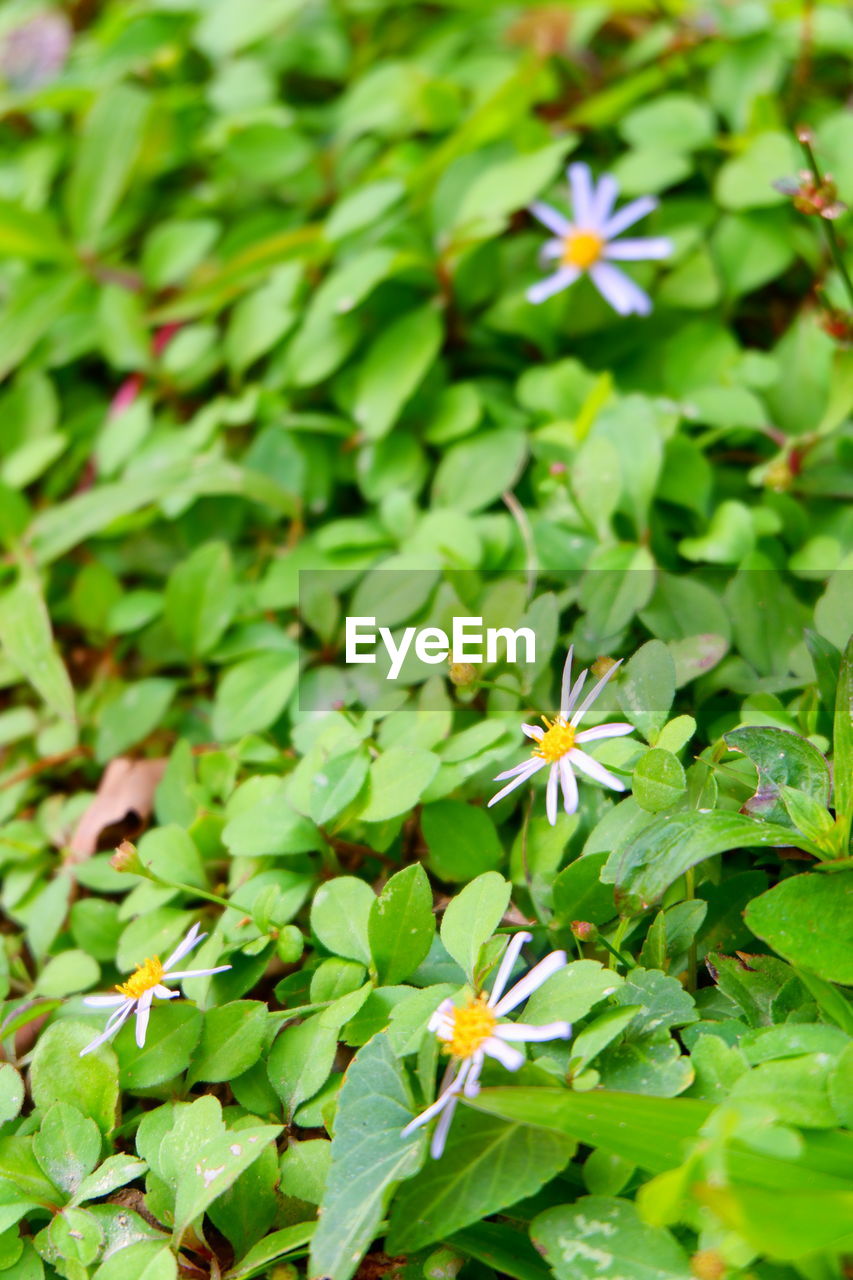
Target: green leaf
point(105, 158)
point(11, 1092)
point(335, 788)
point(843, 743)
point(145, 1260)
point(67, 1146)
point(396, 782)
point(510, 184)
point(658, 781)
point(58, 1072)
point(26, 639)
point(32, 309)
point(675, 121)
point(30, 233)
point(646, 688)
point(273, 1246)
point(473, 473)
point(603, 1238)
point(808, 919)
point(782, 759)
point(340, 915)
point(392, 368)
point(129, 718)
point(170, 853)
point(231, 1040)
point(579, 893)
point(116, 1171)
point(253, 694)
point(649, 863)
point(461, 839)
point(502, 1249)
point(401, 925)
point(368, 1158)
point(301, 1059)
point(200, 598)
point(173, 1034)
point(472, 917)
point(487, 1165)
point(747, 181)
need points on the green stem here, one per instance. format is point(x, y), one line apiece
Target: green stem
point(191, 889)
point(615, 955)
point(829, 229)
point(615, 950)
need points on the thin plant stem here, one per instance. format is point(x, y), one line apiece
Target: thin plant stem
point(829, 230)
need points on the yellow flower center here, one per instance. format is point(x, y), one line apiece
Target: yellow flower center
point(472, 1024)
point(581, 249)
point(556, 742)
point(147, 975)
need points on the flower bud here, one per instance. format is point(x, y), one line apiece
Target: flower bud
point(290, 944)
point(778, 476)
point(126, 858)
point(584, 930)
point(601, 666)
point(462, 674)
point(707, 1264)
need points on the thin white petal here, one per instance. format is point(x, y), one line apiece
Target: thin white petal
point(551, 218)
point(104, 1002)
point(505, 1054)
point(192, 939)
point(111, 1029)
point(551, 249)
point(515, 770)
point(594, 692)
point(576, 692)
point(594, 770)
point(616, 730)
point(472, 1085)
point(566, 683)
point(527, 1032)
point(641, 249)
point(440, 1015)
point(439, 1137)
point(163, 993)
point(531, 982)
point(510, 956)
point(535, 765)
point(118, 1016)
point(197, 973)
point(583, 201)
point(143, 1013)
point(624, 296)
point(534, 731)
point(627, 216)
point(551, 794)
point(552, 284)
point(569, 786)
point(446, 1096)
point(605, 198)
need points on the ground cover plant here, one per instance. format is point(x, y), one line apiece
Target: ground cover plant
point(531, 964)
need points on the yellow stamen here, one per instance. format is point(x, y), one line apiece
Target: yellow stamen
point(147, 975)
point(581, 249)
point(556, 742)
point(472, 1024)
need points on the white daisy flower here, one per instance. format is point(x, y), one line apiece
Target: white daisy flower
point(588, 243)
point(472, 1032)
point(558, 745)
point(141, 988)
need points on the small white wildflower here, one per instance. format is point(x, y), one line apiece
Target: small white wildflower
point(588, 243)
point(472, 1032)
point(141, 988)
point(558, 745)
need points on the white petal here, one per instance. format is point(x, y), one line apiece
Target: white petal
point(627, 216)
point(551, 249)
point(510, 955)
point(583, 199)
point(569, 786)
point(533, 767)
point(143, 1013)
point(575, 693)
point(594, 692)
point(472, 1085)
point(551, 794)
point(118, 1016)
point(446, 1096)
point(439, 1137)
point(104, 1002)
point(525, 1031)
point(616, 730)
point(566, 683)
point(594, 770)
point(197, 973)
point(515, 770)
point(163, 993)
point(642, 249)
point(605, 198)
point(183, 948)
point(553, 284)
point(111, 1029)
point(534, 731)
point(505, 1054)
point(531, 982)
point(624, 296)
point(440, 1015)
point(551, 218)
